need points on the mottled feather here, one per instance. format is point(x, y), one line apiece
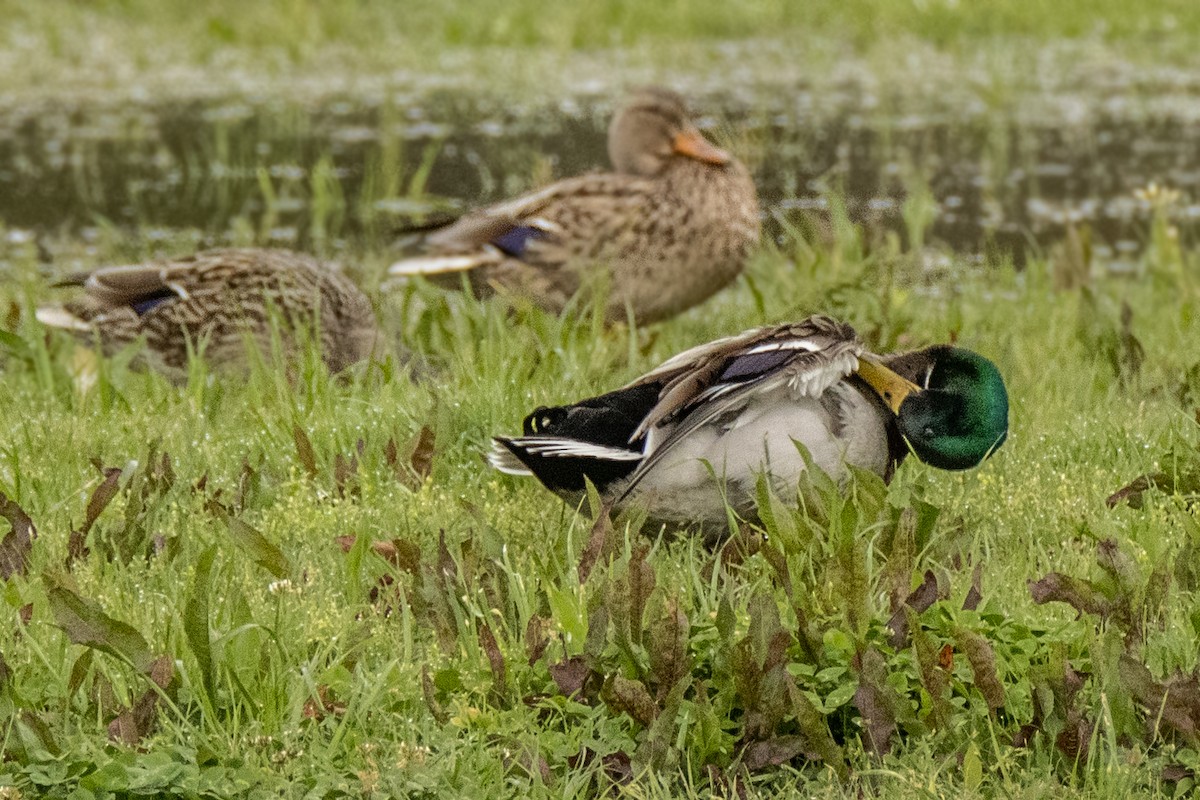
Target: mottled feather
point(218, 300)
point(662, 239)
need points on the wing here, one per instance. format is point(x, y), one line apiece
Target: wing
point(717, 379)
point(532, 224)
point(138, 286)
point(798, 352)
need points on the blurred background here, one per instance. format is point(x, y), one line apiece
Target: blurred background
point(991, 130)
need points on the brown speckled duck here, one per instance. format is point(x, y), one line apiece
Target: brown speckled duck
point(215, 302)
point(673, 224)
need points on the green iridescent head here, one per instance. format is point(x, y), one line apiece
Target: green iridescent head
point(959, 416)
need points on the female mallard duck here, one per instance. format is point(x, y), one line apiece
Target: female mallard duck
point(727, 411)
point(673, 224)
point(214, 302)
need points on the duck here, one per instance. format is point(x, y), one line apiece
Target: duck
point(213, 303)
point(674, 222)
point(696, 433)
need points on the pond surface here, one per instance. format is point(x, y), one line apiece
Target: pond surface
point(349, 167)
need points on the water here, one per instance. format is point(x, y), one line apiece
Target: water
point(349, 167)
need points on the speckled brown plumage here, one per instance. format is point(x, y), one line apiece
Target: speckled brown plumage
point(673, 225)
point(216, 302)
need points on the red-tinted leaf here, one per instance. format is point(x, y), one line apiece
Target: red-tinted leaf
point(133, 725)
point(617, 766)
point(668, 648)
point(1133, 491)
point(420, 458)
point(1081, 595)
point(874, 701)
point(815, 730)
point(260, 549)
point(401, 554)
point(657, 749)
point(495, 658)
point(124, 729)
point(85, 623)
point(919, 600)
point(1177, 772)
point(1176, 703)
point(1073, 740)
point(975, 595)
point(946, 658)
point(934, 672)
point(772, 752)
point(596, 544)
point(759, 669)
point(345, 474)
point(778, 561)
point(248, 482)
point(982, 658)
point(1024, 735)
point(537, 638)
point(631, 697)
point(570, 675)
point(430, 694)
point(896, 577)
point(324, 704)
point(446, 568)
point(391, 455)
point(528, 763)
point(18, 544)
point(41, 731)
point(102, 495)
point(641, 584)
point(304, 451)
point(724, 786)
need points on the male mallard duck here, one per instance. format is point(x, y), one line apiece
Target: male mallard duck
point(212, 301)
point(673, 224)
point(727, 411)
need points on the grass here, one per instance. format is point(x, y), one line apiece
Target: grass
point(135, 46)
point(261, 586)
point(243, 612)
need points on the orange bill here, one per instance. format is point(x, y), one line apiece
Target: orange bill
point(891, 387)
point(691, 143)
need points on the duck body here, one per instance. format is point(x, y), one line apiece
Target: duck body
point(215, 303)
point(671, 226)
point(697, 433)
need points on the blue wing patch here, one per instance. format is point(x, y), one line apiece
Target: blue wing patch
point(147, 303)
point(753, 365)
point(514, 241)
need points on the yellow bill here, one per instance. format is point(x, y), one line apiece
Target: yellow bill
point(890, 386)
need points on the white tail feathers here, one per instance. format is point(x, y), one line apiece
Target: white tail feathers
point(439, 265)
point(57, 317)
point(501, 458)
point(504, 459)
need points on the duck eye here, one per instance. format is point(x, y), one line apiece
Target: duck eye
point(928, 432)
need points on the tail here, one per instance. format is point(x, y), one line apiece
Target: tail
point(502, 457)
point(59, 317)
point(443, 264)
point(560, 463)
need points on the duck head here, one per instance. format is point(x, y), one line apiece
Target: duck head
point(653, 128)
point(950, 403)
